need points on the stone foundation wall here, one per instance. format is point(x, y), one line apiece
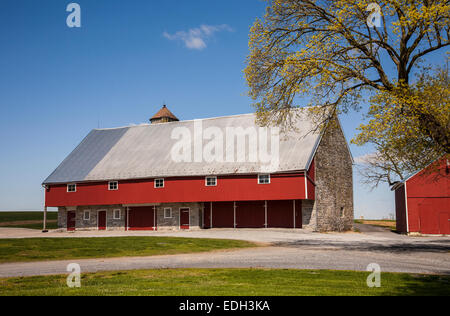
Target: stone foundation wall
point(92, 223)
point(173, 223)
point(334, 183)
point(308, 215)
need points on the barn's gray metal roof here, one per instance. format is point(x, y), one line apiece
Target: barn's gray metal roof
point(144, 151)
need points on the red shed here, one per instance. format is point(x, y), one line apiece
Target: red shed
point(422, 201)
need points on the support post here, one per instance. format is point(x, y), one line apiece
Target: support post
point(295, 216)
point(265, 214)
point(234, 214)
point(211, 215)
point(44, 228)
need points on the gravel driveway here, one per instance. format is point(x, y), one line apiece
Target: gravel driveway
point(286, 249)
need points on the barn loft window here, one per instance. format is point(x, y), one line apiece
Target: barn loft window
point(211, 181)
point(117, 214)
point(264, 179)
point(167, 213)
point(71, 188)
point(159, 183)
point(113, 186)
point(87, 215)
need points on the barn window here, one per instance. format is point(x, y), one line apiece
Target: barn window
point(159, 183)
point(117, 214)
point(113, 186)
point(167, 213)
point(87, 215)
point(71, 188)
point(264, 179)
point(211, 181)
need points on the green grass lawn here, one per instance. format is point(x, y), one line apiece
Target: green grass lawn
point(229, 282)
point(39, 249)
point(6, 217)
point(37, 226)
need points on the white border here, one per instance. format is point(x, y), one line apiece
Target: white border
point(84, 217)
point(109, 185)
point(164, 183)
point(68, 187)
point(171, 215)
point(114, 214)
point(206, 181)
point(264, 174)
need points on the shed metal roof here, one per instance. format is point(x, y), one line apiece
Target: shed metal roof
point(144, 151)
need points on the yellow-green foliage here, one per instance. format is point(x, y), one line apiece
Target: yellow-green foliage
point(396, 125)
point(325, 54)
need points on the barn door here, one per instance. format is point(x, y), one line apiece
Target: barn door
point(280, 214)
point(444, 224)
point(250, 214)
point(207, 216)
point(298, 214)
point(185, 218)
point(101, 220)
point(142, 218)
point(71, 219)
point(429, 219)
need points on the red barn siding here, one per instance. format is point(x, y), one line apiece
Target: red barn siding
point(223, 215)
point(428, 200)
point(400, 209)
point(250, 214)
point(280, 214)
point(311, 178)
point(312, 170)
point(187, 189)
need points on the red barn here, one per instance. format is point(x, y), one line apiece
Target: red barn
point(214, 173)
point(423, 201)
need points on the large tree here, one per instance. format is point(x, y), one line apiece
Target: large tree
point(332, 53)
point(402, 145)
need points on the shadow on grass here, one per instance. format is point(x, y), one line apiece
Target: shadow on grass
point(438, 246)
point(419, 285)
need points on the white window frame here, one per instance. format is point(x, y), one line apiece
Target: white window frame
point(114, 214)
point(168, 209)
point(74, 185)
point(111, 182)
point(210, 177)
point(84, 215)
point(264, 175)
point(163, 183)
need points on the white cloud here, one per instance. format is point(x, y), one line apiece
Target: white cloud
point(196, 38)
point(364, 159)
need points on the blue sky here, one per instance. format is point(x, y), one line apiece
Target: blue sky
point(58, 83)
